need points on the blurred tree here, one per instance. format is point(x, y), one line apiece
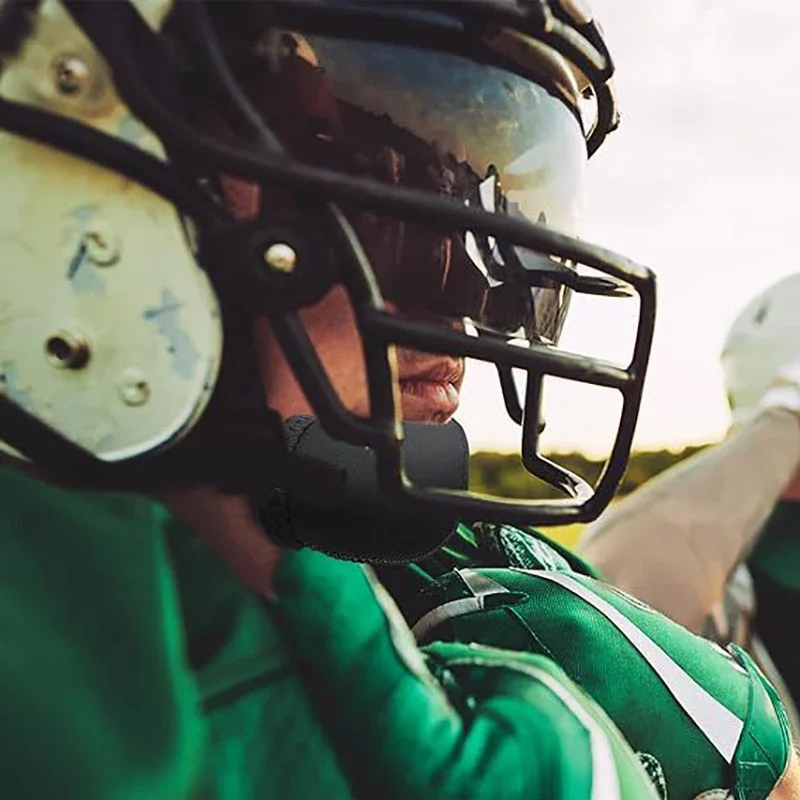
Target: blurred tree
point(503, 474)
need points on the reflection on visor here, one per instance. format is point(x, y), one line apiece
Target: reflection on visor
point(439, 123)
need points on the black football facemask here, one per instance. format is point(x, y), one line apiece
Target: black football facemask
point(428, 156)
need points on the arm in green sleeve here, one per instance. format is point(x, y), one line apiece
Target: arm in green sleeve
point(494, 725)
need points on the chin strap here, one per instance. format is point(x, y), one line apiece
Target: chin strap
point(361, 523)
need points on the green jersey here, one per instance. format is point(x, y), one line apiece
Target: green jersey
point(133, 665)
point(777, 552)
point(775, 567)
point(704, 719)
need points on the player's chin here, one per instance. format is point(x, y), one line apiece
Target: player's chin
point(428, 401)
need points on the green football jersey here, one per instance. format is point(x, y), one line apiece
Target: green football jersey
point(702, 718)
point(775, 567)
point(134, 666)
point(777, 552)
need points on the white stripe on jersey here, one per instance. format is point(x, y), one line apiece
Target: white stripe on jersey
point(720, 726)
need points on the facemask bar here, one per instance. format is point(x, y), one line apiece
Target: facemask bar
point(567, 482)
point(528, 414)
point(101, 22)
point(586, 503)
point(510, 394)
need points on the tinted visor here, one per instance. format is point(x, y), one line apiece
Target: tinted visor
point(443, 124)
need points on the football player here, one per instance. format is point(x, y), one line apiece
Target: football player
point(204, 208)
point(765, 336)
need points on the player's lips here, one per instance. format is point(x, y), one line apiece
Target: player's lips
point(435, 387)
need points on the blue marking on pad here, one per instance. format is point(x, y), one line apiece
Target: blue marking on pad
point(185, 355)
point(21, 397)
point(83, 276)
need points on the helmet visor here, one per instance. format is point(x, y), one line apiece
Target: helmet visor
point(441, 123)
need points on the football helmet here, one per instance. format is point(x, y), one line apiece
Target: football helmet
point(427, 153)
point(761, 354)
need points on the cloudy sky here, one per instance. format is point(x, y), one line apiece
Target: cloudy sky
point(701, 183)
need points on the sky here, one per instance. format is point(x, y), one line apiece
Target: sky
point(701, 184)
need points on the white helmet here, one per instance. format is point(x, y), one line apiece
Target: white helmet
point(762, 351)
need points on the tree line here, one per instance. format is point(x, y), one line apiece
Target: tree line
point(503, 474)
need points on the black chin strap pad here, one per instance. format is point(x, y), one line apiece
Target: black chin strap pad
point(362, 524)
